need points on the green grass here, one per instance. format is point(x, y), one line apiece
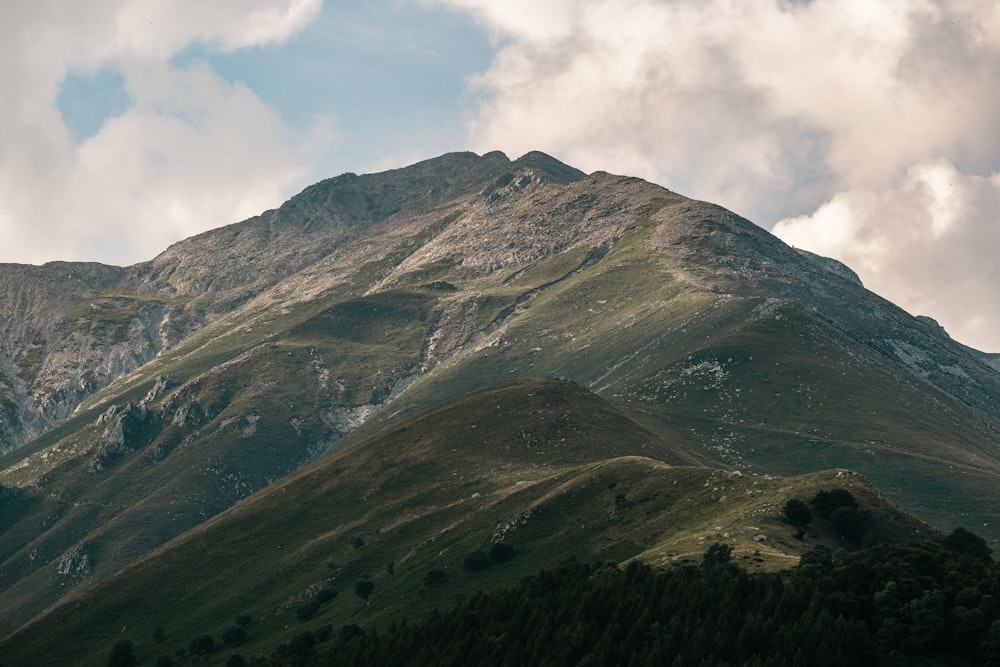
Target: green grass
point(544, 466)
point(250, 422)
point(551, 269)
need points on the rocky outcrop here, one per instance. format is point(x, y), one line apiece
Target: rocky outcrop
point(124, 428)
point(68, 330)
point(832, 265)
point(74, 563)
point(66, 334)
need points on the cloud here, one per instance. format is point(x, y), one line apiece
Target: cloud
point(189, 152)
point(931, 241)
point(775, 109)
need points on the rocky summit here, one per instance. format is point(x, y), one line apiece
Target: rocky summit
point(137, 403)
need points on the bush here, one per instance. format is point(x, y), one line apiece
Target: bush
point(817, 562)
point(201, 645)
point(825, 502)
point(797, 513)
point(164, 661)
point(236, 660)
point(364, 588)
point(717, 556)
point(966, 542)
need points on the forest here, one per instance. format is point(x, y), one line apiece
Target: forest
point(905, 604)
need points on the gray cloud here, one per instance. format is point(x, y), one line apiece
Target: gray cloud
point(832, 116)
point(190, 152)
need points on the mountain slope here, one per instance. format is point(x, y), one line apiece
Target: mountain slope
point(366, 299)
point(72, 328)
point(544, 467)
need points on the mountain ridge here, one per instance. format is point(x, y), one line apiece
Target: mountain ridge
point(247, 352)
point(194, 281)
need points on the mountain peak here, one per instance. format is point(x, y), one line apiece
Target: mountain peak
point(366, 298)
point(832, 265)
point(549, 167)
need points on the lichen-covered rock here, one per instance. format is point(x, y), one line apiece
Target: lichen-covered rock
point(124, 427)
point(74, 563)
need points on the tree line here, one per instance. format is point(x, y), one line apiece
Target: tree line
point(921, 603)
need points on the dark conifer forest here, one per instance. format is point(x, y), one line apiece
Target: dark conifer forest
point(910, 604)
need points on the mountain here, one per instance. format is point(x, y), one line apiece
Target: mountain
point(140, 402)
point(68, 329)
point(543, 468)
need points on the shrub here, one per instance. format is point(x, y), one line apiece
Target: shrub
point(825, 502)
point(201, 645)
point(797, 513)
point(817, 562)
point(963, 541)
point(717, 556)
point(364, 588)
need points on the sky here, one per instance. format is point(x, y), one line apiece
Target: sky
point(863, 130)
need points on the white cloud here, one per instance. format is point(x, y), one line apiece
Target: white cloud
point(931, 242)
point(190, 152)
point(777, 109)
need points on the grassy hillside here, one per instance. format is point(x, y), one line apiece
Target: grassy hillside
point(366, 300)
point(542, 466)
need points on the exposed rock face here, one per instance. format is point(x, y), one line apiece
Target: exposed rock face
point(54, 347)
point(74, 563)
point(123, 428)
point(70, 329)
point(832, 265)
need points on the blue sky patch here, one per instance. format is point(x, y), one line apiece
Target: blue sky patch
point(391, 75)
point(87, 101)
